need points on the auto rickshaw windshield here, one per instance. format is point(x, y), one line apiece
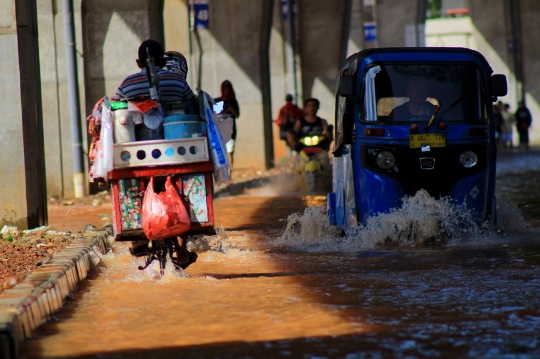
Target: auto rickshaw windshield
point(401, 93)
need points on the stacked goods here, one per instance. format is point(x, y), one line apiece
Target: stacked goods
point(130, 201)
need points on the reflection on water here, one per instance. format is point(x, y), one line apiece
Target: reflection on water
point(518, 179)
point(421, 282)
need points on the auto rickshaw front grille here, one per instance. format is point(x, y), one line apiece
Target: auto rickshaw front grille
point(437, 173)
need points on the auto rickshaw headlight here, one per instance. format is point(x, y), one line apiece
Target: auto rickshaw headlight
point(468, 159)
point(385, 160)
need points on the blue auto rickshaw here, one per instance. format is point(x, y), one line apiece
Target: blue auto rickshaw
point(410, 119)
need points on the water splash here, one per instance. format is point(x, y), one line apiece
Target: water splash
point(120, 259)
point(220, 242)
point(421, 220)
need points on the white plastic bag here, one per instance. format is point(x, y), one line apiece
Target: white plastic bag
point(218, 151)
point(104, 162)
point(225, 128)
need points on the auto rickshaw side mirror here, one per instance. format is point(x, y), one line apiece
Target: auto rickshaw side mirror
point(499, 85)
point(346, 85)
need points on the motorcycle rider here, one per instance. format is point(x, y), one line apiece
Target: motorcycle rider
point(288, 114)
point(310, 125)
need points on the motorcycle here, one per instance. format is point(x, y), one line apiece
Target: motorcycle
point(191, 155)
point(312, 165)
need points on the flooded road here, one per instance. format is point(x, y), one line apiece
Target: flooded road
point(268, 287)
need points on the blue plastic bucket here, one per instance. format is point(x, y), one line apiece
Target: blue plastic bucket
point(183, 126)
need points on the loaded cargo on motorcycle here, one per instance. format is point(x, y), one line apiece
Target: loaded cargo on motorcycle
point(160, 149)
point(410, 119)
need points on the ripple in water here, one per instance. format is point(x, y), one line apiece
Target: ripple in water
point(422, 220)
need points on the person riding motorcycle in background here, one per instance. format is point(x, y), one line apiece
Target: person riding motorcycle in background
point(309, 126)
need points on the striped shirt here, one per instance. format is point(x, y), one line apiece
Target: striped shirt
point(172, 87)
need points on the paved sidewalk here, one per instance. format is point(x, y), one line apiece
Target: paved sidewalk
point(32, 302)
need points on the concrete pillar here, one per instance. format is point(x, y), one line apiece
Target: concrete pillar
point(493, 41)
point(22, 184)
point(278, 74)
point(355, 40)
point(392, 17)
point(530, 27)
point(49, 94)
point(113, 31)
point(56, 107)
point(322, 30)
point(176, 30)
point(235, 47)
point(530, 10)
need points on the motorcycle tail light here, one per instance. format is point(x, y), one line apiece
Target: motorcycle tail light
point(385, 160)
point(468, 159)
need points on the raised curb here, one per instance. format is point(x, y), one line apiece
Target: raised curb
point(32, 302)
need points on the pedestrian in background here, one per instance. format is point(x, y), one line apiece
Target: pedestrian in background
point(287, 117)
point(523, 123)
point(499, 122)
point(232, 110)
point(508, 127)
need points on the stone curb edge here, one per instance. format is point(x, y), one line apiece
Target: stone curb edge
point(32, 302)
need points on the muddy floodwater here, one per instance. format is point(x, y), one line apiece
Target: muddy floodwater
point(278, 281)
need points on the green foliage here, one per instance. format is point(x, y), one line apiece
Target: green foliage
point(434, 9)
point(9, 237)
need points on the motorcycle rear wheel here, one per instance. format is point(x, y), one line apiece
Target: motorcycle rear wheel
point(161, 250)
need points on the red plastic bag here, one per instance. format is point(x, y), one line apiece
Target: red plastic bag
point(163, 214)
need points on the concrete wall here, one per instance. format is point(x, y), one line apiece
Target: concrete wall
point(22, 165)
point(318, 56)
point(235, 47)
point(177, 33)
point(355, 40)
point(530, 28)
point(393, 16)
point(280, 78)
point(108, 35)
point(321, 29)
point(112, 33)
point(56, 107)
point(491, 38)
